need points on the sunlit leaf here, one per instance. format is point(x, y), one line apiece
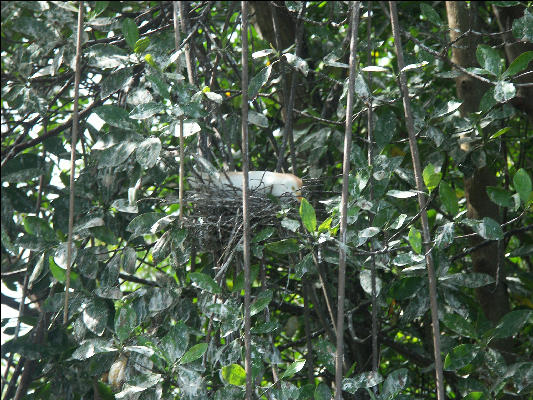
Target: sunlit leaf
point(522, 184)
point(415, 239)
point(511, 323)
point(205, 282)
point(460, 356)
point(257, 82)
point(194, 353)
point(307, 213)
point(293, 369)
point(130, 31)
point(261, 302)
point(234, 374)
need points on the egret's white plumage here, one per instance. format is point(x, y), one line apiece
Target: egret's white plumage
point(265, 182)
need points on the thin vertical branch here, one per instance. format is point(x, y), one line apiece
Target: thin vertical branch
point(370, 137)
point(339, 357)
point(274, 368)
point(289, 99)
point(177, 42)
point(245, 196)
point(74, 139)
point(185, 28)
point(421, 200)
point(309, 344)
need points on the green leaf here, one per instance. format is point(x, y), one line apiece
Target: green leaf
point(500, 132)
point(238, 283)
point(322, 392)
point(58, 273)
point(39, 227)
point(500, 196)
point(115, 81)
point(141, 45)
point(305, 265)
point(142, 224)
point(175, 342)
point(125, 322)
point(160, 85)
point(519, 64)
point(415, 239)
point(130, 31)
point(365, 279)
point(406, 287)
point(523, 27)
point(308, 215)
point(444, 235)
point(487, 101)
point(115, 116)
point(205, 282)
point(362, 380)
point(263, 234)
point(475, 396)
point(459, 325)
point(290, 224)
point(266, 327)
point(147, 152)
point(430, 14)
point(99, 7)
point(116, 155)
point(522, 185)
point(22, 168)
point(194, 353)
point(431, 178)
point(490, 229)
point(95, 316)
point(292, 369)
point(90, 347)
point(511, 323)
point(261, 302)
point(407, 259)
point(394, 383)
point(257, 82)
point(258, 119)
point(234, 374)
point(369, 232)
point(460, 356)
point(285, 246)
point(146, 110)
point(489, 59)
point(487, 228)
point(106, 56)
point(470, 280)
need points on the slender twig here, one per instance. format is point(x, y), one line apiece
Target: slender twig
point(370, 139)
point(421, 201)
point(185, 28)
point(308, 342)
point(245, 202)
point(74, 139)
point(324, 286)
point(339, 357)
point(177, 41)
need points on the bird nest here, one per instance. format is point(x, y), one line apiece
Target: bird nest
point(216, 213)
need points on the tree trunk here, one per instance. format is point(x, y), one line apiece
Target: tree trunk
point(493, 299)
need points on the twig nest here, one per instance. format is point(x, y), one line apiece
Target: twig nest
point(216, 199)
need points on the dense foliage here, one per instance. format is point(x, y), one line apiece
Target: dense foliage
point(155, 308)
